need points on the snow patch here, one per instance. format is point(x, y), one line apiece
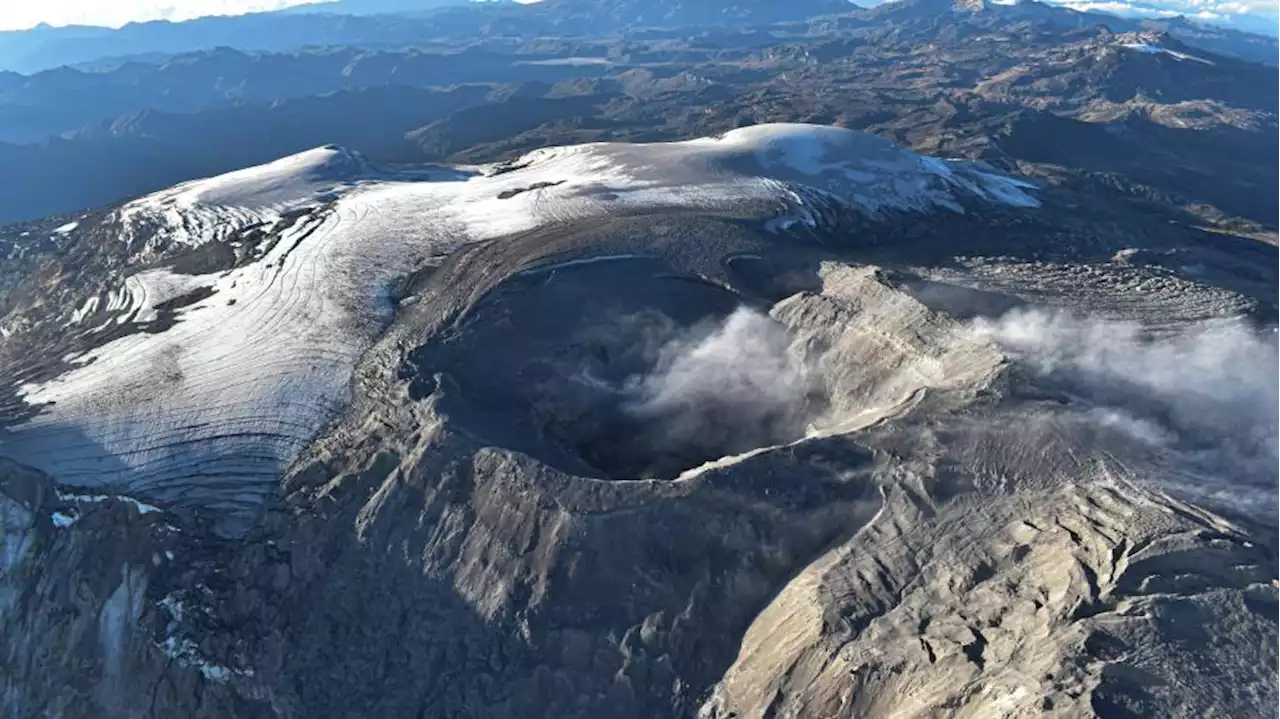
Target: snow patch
point(64, 229)
point(1151, 49)
point(542, 269)
point(89, 307)
point(1143, 47)
point(62, 520)
point(185, 651)
point(142, 507)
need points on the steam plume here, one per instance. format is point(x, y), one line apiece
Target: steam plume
point(736, 386)
point(1208, 393)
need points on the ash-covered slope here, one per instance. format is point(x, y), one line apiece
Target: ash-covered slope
point(789, 421)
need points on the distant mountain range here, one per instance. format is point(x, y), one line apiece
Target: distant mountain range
point(379, 7)
point(80, 139)
point(50, 47)
point(68, 102)
point(47, 47)
point(369, 23)
point(355, 23)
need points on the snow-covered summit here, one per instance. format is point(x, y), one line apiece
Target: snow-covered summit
point(258, 357)
point(214, 208)
point(282, 182)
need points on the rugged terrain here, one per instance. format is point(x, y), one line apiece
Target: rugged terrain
point(998, 82)
point(969, 411)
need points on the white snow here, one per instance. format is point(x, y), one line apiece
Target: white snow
point(872, 173)
point(64, 229)
point(142, 293)
point(89, 307)
point(1151, 49)
point(1143, 47)
point(276, 183)
point(185, 651)
point(173, 606)
point(142, 507)
point(582, 261)
point(210, 411)
point(1184, 56)
point(62, 520)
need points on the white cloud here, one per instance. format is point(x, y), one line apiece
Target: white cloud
point(16, 15)
point(736, 386)
point(1121, 8)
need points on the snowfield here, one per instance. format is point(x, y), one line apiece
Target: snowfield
point(200, 211)
point(209, 411)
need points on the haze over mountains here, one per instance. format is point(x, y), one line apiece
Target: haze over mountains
point(358, 23)
point(732, 359)
point(81, 138)
point(68, 13)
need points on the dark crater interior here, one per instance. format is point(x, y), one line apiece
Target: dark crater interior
point(559, 365)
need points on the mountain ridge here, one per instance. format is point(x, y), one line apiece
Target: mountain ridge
point(30, 51)
point(274, 31)
point(674, 89)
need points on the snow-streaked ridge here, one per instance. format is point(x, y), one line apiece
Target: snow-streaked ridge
point(215, 208)
point(1160, 50)
point(210, 410)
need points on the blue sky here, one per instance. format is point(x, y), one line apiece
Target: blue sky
point(17, 14)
